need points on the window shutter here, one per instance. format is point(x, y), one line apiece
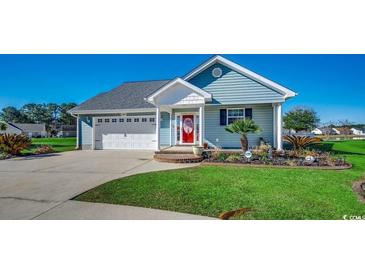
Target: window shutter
point(223, 117)
point(248, 113)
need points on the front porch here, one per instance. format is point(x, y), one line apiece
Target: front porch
point(185, 105)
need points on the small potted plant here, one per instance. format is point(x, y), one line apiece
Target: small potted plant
point(198, 150)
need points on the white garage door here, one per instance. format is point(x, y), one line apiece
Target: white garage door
point(125, 132)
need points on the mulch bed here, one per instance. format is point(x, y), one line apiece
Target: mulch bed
point(210, 163)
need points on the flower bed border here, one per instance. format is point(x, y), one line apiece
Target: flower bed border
point(207, 163)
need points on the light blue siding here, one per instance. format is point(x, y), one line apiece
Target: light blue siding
point(234, 88)
point(217, 135)
point(85, 134)
point(165, 129)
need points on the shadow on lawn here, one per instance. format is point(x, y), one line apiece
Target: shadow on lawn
point(328, 147)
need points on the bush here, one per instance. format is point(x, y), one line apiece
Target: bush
point(233, 158)
point(219, 155)
point(13, 144)
point(44, 149)
point(301, 142)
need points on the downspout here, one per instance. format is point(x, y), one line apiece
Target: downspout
point(77, 129)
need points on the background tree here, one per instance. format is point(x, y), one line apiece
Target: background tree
point(301, 118)
point(3, 126)
point(11, 114)
point(36, 113)
point(52, 118)
point(66, 118)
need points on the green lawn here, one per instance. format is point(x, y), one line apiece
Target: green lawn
point(274, 193)
point(58, 144)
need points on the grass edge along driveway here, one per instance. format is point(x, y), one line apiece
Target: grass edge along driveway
point(58, 144)
point(274, 193)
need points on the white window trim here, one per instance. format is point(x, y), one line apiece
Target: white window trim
point(244, 114)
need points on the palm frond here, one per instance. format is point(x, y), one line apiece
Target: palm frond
point(301, 142)
point(243, 127)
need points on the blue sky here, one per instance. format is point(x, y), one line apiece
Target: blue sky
point(334, 85)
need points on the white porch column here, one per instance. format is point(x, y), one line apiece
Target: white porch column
point(279, 126)
point(201, 126)
point(170, 127)
point(77, 132)
point(158, 128)
point(274, 125)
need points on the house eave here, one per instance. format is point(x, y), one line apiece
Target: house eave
point(111, 111)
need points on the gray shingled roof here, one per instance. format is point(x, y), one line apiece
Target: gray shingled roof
point(129, 95)
point(27, 127)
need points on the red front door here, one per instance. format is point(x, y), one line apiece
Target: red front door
point(188, 129)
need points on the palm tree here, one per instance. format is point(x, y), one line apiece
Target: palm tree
point(243, 127)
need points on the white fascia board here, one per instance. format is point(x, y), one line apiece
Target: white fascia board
point(113, 111)
point(207, 96)
point(287, 93)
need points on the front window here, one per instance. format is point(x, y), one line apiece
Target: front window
point(234, 114)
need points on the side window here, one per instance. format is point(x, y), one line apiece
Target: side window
point(129, 120)
point(114, 120)
point(136, 120)
point(107, 120)
point(121, 120)
point(235, 114)
point(100, 120)
point(144, 120)
point(152, 120)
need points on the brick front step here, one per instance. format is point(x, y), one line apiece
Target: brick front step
point(178, 158)
point(174, 152)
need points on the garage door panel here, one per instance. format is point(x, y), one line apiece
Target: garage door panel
point(125, 135)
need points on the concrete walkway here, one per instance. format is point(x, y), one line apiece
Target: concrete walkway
point(31, 187)
point(75, 210)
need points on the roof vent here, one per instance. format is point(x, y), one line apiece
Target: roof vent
point(217, 72)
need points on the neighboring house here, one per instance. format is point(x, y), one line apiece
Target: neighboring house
point(189, 110)
point(67, 131)
point(344, 130)
point(317, 131)
point(31, 130)
point(11, 129)
point(330, 131)
point(357, 131)
point(335, 131)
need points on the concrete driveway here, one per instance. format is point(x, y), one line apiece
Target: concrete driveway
point(41, 187)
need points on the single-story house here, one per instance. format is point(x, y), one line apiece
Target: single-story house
point(357, 131)
point(67, 131)
point(189, 110)
point(317, 131)
point(335, 131)
point(31, 130)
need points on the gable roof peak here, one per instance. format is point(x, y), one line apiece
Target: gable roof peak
point(287, 93)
